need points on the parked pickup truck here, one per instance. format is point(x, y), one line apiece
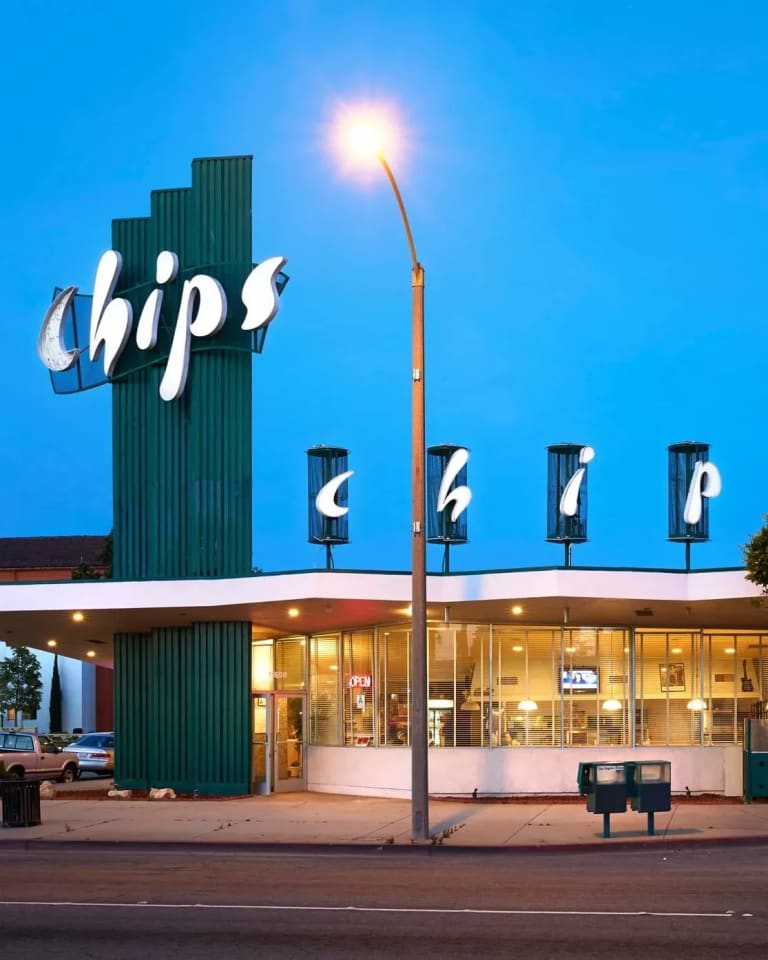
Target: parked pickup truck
point(32, 757)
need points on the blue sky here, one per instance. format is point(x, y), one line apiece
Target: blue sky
point(588, 190)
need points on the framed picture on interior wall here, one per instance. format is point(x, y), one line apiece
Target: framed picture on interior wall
point(671, 677)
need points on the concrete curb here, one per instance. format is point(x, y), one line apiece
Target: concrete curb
point(608, 844)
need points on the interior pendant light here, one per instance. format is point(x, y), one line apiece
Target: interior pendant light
point(527, 704)
point(696, 703)
point(612, 705)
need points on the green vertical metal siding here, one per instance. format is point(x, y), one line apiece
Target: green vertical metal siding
point(182, 504)
point(182, 470)
point(182, 709)
point(133, 707)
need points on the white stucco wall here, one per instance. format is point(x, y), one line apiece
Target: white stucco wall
point(77, 689)
point(386, 772)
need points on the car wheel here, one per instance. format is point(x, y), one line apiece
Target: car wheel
point(16, 773)
point(69, 775)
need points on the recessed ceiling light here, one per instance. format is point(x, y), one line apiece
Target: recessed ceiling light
point(293, 611)
point(517, 610)
point(677, 649)
point(90, 653)
point(570, 649)
point(517, 648)
point(51, 643)
point(78, 617)
point(730, 650)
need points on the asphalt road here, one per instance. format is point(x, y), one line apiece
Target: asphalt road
point(118, 902)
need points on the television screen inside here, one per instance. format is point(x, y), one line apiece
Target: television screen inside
point(580, 680)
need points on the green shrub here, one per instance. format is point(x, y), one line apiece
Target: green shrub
point(756, 557)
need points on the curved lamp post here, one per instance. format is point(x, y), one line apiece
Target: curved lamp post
point(367, 140)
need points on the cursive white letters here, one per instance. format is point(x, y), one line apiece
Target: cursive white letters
point(202, 313)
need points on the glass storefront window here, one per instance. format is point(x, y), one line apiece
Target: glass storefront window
point(392, 685)
point(289, 663)
point(324, 680)
point(261, 665)
point(505, 686)
point(358, 682)
point(460, 707)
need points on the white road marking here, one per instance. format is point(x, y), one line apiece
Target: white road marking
point(143, 905)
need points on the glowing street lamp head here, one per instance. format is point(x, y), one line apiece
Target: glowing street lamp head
point(364, 139)
point(364, 135)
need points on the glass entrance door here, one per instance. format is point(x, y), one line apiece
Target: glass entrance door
point(260, 749)
point(277, 748)
point(289, 742)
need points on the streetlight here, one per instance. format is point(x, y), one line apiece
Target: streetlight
point(364, 135)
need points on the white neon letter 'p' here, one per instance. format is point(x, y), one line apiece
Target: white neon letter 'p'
point(705, 482)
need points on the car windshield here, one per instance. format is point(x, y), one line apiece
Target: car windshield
point(94, 740)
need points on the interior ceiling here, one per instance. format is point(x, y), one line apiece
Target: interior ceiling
point(316, 615)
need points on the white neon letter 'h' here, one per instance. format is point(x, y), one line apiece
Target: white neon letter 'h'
point(460, 496)
point(110, 319)
point(705, 482)
point(569, 501)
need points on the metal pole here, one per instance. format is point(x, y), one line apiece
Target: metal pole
point(419, 731)
point(418, 654)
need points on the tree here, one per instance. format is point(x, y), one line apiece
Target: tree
point(21, 687)
point(756, 557)
point(84, 571)
point(55, 701)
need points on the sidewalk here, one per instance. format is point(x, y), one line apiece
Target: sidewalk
point(318, 819)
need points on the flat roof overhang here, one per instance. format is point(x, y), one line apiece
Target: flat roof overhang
point(34, 613)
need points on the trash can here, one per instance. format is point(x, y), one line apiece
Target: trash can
point(20, 803)
point(650, 784)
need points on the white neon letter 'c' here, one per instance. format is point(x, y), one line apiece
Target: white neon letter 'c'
point(110, 319)
point(569, 501)
point(211, 301)
point(49, 346)
point(325, 501)
point(705, 482)
point(460, 496)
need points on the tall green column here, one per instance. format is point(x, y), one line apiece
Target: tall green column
point(182, 469)
point(182, 709)
point(182, 494)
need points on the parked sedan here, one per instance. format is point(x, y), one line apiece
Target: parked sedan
point(95, 753)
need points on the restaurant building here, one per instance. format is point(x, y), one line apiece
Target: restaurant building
point(232, 682)
point(529, 673)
